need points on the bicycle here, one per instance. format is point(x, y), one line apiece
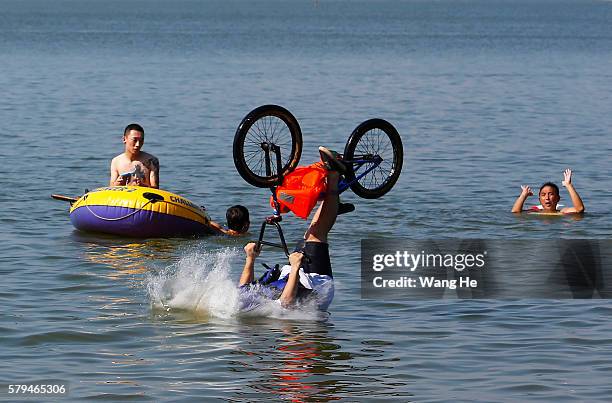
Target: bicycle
point(373, 155)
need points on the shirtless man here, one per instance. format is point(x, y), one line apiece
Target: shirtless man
point(549, 197)
point(134, 167)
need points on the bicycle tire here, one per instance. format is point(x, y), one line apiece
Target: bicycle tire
point(272, 124)
point(375, 137)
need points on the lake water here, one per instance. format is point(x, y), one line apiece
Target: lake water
point(487, 95)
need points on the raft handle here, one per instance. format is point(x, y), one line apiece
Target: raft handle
point(153, 197)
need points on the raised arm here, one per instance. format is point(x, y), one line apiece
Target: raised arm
point(248, 272)
point(518, 204)
point(576, 200)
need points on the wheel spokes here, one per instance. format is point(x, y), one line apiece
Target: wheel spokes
point(376, 142)
point(270, 130)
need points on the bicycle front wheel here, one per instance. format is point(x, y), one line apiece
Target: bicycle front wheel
point(262, 127)
point(371, 176)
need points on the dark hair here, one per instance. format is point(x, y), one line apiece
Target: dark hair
point(552, 185)
point(133, 126)
point(238, 218)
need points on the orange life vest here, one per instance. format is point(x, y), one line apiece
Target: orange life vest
point(301, 189)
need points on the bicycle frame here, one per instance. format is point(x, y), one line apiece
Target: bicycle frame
point(276, 218)
point(357, 163)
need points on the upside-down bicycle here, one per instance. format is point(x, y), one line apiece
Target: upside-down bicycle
point(268, 145)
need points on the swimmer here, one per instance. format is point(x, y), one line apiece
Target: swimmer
point(237, 222)
point(549, 197)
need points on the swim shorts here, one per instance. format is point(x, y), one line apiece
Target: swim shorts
point(318, 254)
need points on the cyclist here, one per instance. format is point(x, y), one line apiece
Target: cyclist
point(309, 277)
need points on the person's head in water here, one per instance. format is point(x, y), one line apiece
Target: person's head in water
point(549, 196)
point(238, 218)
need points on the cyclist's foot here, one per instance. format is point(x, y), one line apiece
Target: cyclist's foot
point(332, 160)
point(344, 208)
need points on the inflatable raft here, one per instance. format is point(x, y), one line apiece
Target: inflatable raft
point(140, 212)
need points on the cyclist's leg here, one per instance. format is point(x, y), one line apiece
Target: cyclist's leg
point(316, 246)
point(326, 214)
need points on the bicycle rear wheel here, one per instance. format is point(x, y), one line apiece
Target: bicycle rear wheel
point(264, 126)
point(372, 138)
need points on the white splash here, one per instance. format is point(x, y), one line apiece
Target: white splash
point(198, 282)
point(201, 282)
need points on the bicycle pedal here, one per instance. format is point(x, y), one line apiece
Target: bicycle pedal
point(344, 208)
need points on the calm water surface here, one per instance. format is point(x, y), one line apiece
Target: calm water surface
point(487, 95)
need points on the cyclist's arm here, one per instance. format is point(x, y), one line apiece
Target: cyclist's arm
point(248, 272)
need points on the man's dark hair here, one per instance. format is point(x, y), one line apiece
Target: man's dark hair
point(238, 218)
point(133, 126)
point(552, 185)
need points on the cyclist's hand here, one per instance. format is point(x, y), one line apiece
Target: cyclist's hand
point(251, 250)
point(295, 259)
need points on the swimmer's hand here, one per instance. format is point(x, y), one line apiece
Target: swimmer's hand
point(518, 204)
point(578, 207)
point(526, 191)
point(567, 177)
point(251, 250)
